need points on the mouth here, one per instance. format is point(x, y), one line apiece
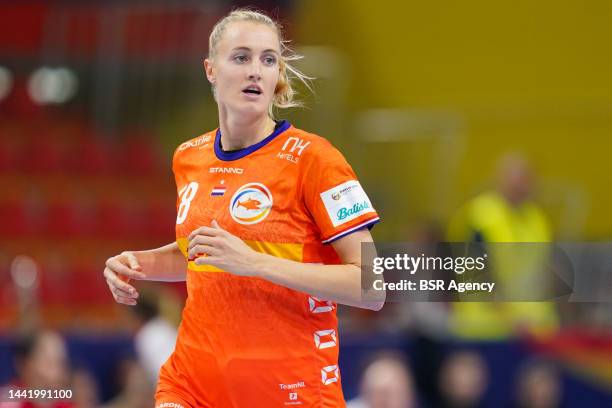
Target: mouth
point(253, 90)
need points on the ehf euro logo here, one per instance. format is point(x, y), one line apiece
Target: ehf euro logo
point(251, 204)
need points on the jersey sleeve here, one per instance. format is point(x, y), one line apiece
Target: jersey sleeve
point(334, 196)
point(176, 170)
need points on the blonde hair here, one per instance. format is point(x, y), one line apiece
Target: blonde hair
point(284, 93)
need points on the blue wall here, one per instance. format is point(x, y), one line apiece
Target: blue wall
point(101, 354)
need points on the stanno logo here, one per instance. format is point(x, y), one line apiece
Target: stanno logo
point(199, 142)
point(330, 374)
point(356, 209)
point(317, 305)
point(325, 338)
point(226, 170)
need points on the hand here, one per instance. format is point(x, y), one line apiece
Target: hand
point(215, 246)
point(118, 272)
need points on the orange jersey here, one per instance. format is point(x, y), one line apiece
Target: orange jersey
point(244, 341)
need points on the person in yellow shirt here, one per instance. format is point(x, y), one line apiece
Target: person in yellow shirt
point(507, 214)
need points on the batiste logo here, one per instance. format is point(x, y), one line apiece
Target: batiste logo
point(345, 212)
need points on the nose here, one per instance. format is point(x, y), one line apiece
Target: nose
point(255, 71)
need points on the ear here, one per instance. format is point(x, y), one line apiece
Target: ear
point(209, 70)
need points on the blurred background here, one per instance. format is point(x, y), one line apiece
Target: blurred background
point(464, 121)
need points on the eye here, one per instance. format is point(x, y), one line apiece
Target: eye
point(269, 60)
point(241, 58)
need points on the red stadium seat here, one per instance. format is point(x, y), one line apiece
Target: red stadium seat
point(91, 156)
point(110, 220)
point(7, 291)
point(14, 220)
point(8, 156)
point(62, 220)
point(160, 220)
point(55, 283)
point(88, 285)
point(41, 156)
point(139, 156)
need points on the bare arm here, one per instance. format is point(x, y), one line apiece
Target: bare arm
point(166, 263)
point(338, 283)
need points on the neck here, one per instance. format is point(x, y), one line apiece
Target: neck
point(238, 133)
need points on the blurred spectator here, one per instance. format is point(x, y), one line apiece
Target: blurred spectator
point(136, 390)
point(504, 215)
point(155, 337)
point(41, 361)
point(463, 381)
point(85, 390)
point(25, 274)
point(538, 386)
point(386, 383)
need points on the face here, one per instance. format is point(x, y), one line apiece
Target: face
point(387, 384)
point(540, 388)
point(516, 179)
point(48, 364)
point(463, 378)
point(245, 69)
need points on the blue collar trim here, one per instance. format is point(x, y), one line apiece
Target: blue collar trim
point(238, 154)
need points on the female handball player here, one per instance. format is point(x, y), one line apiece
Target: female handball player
point(270, 221)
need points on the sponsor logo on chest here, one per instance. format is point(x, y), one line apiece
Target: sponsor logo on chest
point(293, 149)
point(251, 204)
point(200, 142)
point(226, 170)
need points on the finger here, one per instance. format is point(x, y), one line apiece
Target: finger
point(122, 290)
point(201, 240)
point(203, 249)
point(207, 260)
point(115, 265)
point(114, 280)
point(118, 267)
point(125, 301)
point(118, 291)
point(208, 231)
point(133, 262)
point(219, 228)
